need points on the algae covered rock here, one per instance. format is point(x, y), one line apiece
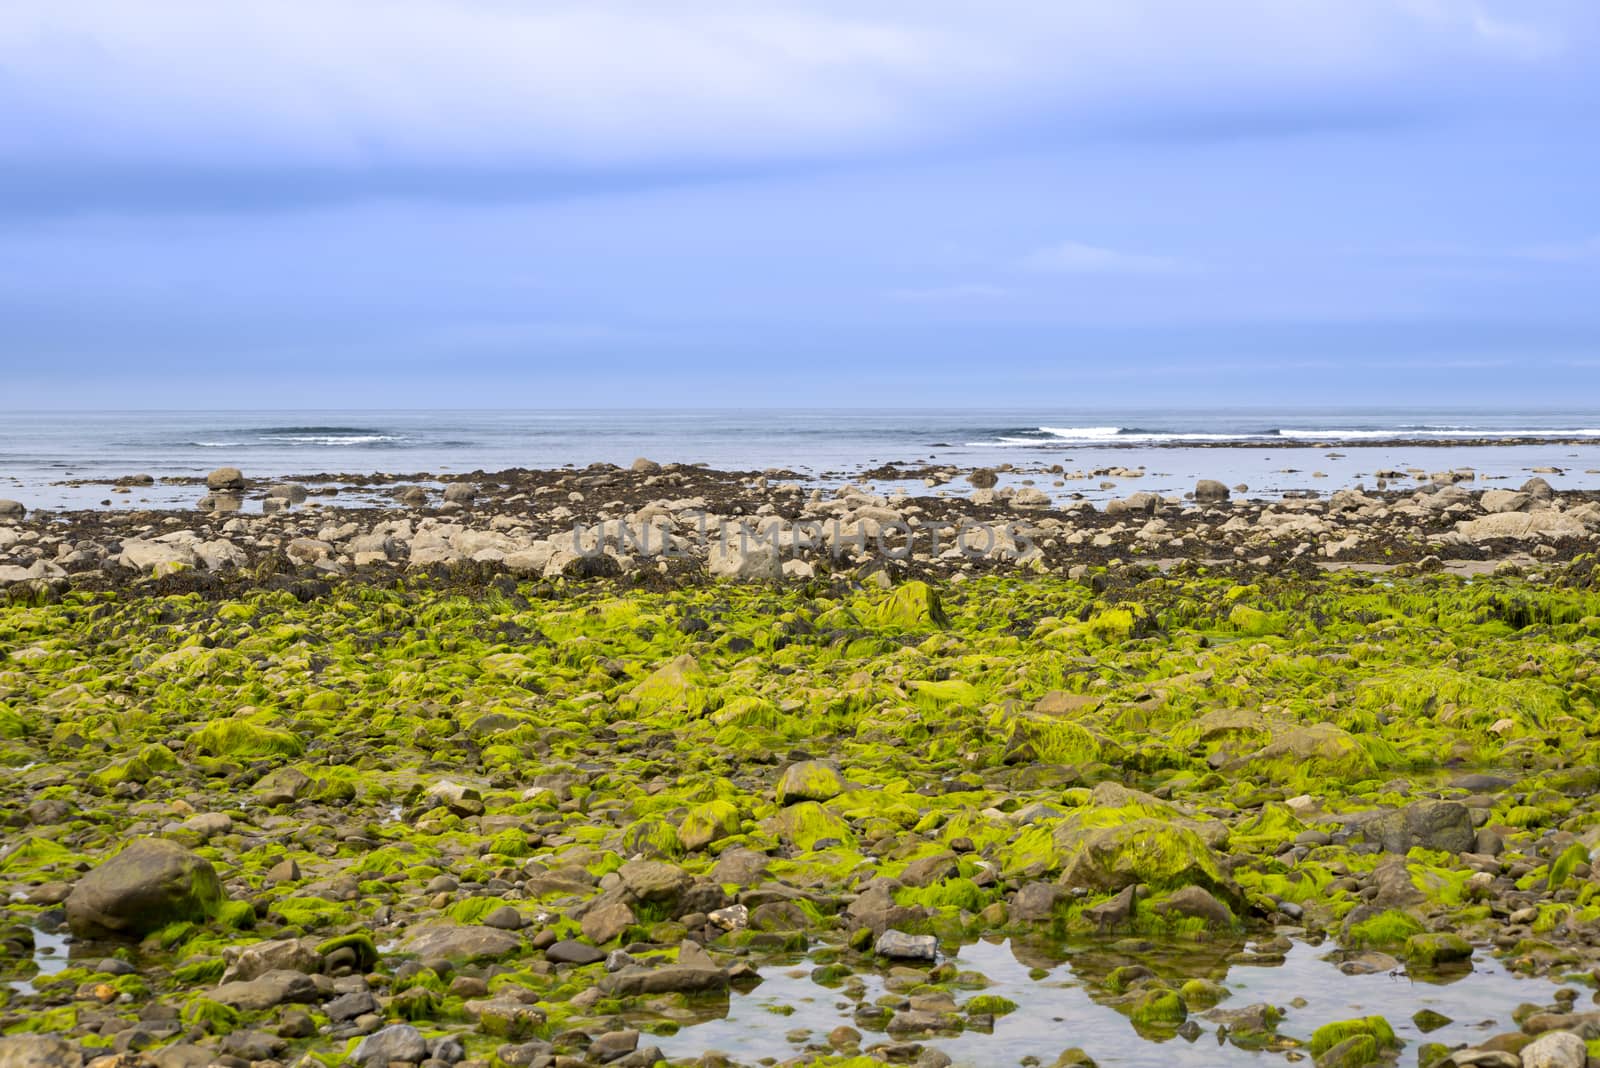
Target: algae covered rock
point(913, 606)
point(151, 883)
point(809, 780)
point(679, 685)
point(1437, 948)
point(1352, 1043)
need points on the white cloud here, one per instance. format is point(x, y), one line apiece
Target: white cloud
point(1073, 257)
point(607, 82)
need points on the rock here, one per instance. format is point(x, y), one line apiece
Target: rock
point(142, 555)
point(1114, 913)
point(293, 492)
point(151, 883)
point(642, 466)
point(744, 559)
point(1199, 903)
point(225, 478)
point(613, 1045)
point(266, 991)
point(984, 478)
point(897, 945)
point(653, 881)
point(461, 492)
point(1505, 501)
point(1437, 825)
point(454, 942)
point(349, 1006)
point(506, 918)
point(1437, 948)
point(1209, 489)
point(38, 1051)
point(605, 922)
point(694, 973)
point(398, 1042)
point(1538, 489)
point(1035, 902)
point(809, 780)
point(10, 509)
point(505, 1017)
point(1521, 526)
point(571, 951)
point(284, 954)
point(1555, 1049)
point(1029, 497)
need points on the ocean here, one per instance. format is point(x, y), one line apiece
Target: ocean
point(62, 459)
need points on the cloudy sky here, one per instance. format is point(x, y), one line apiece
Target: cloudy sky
point(287, 203)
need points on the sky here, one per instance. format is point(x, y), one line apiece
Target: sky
point(489, 203)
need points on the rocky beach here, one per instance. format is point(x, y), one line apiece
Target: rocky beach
point(929, 765)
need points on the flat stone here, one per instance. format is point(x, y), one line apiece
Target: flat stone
point(898, 945)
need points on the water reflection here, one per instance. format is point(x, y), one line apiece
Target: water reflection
point(1069, 994)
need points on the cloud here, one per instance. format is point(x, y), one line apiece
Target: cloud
point(325, 98)
point(1072, 257)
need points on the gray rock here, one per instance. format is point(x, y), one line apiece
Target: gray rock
point(461, 492)
point(613, 1045)
point(1209, 489)
point(293, 492)
point(1035, 902)
point(151, 883)
point(10, 509)
point(399, 1042)
point(571, 951)
point(898, 945)
point(1198, 903)
point(349, 1006)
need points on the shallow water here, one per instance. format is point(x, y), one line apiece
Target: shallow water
point(50, 952)
point(1059, 1009)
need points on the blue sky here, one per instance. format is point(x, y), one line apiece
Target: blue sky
point(485, 202)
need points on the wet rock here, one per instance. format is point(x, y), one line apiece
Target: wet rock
point(505, 1017)
point(349, 1006)
point(10, 509)
point(151, 883)
point(897, 945)
point(1117, 912)
point(1209, 489)
point(252, 961)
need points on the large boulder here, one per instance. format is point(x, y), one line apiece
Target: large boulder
point(10, 509)
point(151, 883)
point(455, 942)
point(225, 478)
point(1522, 526)
point(1209, 489)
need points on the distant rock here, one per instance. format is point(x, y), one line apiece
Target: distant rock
point(1209, 489)
point(225, 478)
point(984, 478)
